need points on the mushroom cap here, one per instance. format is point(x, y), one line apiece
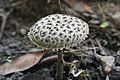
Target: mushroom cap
point(58, 31)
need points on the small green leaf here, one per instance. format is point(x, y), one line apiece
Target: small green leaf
point(8, 60)
point(104, 24)
point(9, 57)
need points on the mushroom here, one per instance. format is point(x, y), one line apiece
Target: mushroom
point(58, 31)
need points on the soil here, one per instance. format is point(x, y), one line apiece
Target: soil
point(103, 41)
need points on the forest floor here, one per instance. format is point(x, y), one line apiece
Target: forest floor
point(104, 40)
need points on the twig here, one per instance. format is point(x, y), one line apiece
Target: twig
point(94, 49)
point(4, 19)
point(59, 2)
point(30, 51)
point(73, 12)
point(19, 3)
point(102, 9)
point(103, 52)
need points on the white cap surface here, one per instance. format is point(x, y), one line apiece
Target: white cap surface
point(58, 31)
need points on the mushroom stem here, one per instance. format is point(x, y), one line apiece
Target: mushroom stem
point(60, 64)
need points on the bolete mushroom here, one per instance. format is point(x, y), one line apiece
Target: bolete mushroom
point(58, 31)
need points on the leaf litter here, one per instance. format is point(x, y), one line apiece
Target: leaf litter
point(21, 63)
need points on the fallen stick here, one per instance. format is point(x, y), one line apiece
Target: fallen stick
point(4, 19)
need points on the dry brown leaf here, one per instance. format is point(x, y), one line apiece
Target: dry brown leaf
point(21, 63)
point(107, 62)
point(78, 6)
